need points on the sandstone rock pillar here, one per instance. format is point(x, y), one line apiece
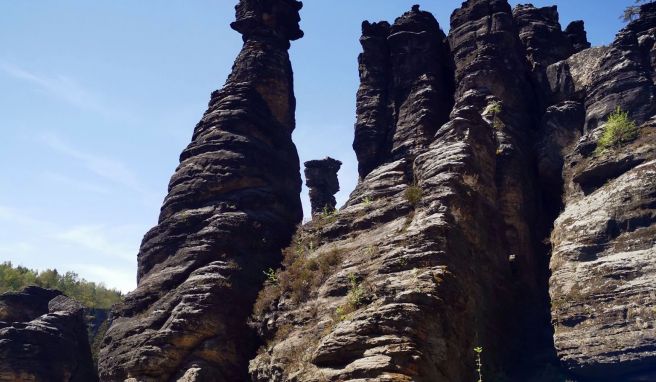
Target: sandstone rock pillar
point(321, 179)
point(233, 203)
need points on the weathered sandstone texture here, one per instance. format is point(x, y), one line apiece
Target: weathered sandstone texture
point(321, 179)
point(434, 246)
point(486, 214)
point(43, 338)
point(603, 284)
point(233, 203)
point(406, 77)
point(445, 244)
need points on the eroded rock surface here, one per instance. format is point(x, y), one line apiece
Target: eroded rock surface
point(43, 338)
point(480, 173)
point(405, 76)
point(233, 203)
point(321, 179)
point(435, 245)
point(604, 243)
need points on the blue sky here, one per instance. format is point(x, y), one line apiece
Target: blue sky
point(99, 98)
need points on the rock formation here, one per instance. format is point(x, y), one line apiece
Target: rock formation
point(604, 247)
point(43, 338)
point(412, 294)
point(406, 75)
point(321, 179)
point(233, 203)
point(488, 215)
point(441, 247)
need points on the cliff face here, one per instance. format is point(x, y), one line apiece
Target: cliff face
point(604, 255)
point(426, 246)
point(406, 77)
point(473, 150)
point(233, 203)
point(43, 338)
point(489, 214)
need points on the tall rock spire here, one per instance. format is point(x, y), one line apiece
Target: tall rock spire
point(406, 88)
point(233, 203)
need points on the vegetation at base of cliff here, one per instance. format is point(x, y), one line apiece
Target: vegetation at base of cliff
point(619, 129)
point(303, 272)
point(496, 108)
point(93, 295)
point(96, 341)
point(328, 215)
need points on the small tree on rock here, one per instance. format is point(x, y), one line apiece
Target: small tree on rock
point(633, 11)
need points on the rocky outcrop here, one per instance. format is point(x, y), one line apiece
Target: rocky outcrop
point(432, 249)
point(541, 34)
point(604, 252)
point(602, 288)
point(577, 36)
point(321, 179)
point(233, 203)
point(486, 212)
point(43, 338)
point(370, 143)
point(406, 75)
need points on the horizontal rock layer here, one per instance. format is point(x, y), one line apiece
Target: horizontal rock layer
point(321, 179)
point(604, 247)
point(233, 203)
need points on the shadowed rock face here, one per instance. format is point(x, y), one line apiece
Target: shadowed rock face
point(43, 338)
point(406, 76)
point(543, 38)
point(440, 247)
point(604, 247)
point(233, 203)
point(321, 179)
point(427, 237)
point(577, 35)
point(472, 149)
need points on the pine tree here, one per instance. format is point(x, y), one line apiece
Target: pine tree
point(633, 11)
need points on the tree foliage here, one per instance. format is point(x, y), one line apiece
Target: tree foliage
point(93, 295)
point(619, 129)
point(633, 11)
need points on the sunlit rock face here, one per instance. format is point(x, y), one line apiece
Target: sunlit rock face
point(43, 338)
point(604, 242)
point(233, 203)
point(486, 216)
point(476, 171)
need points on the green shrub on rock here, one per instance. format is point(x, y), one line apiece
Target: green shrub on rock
point(619, 129)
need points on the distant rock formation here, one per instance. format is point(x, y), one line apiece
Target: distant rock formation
point(233, 203)
point(321, 179)
point(43, 338)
